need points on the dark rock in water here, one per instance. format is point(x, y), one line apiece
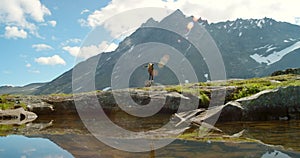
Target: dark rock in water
point(44, 105)
point(41, 108)
point(60, 105)
point(233, 111)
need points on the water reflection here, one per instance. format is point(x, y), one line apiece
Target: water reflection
point(275, 153)
point(66, 136)
point(283, 133)
point(21, 146)
point(88, 146)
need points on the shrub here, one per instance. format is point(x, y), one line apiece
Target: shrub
point(204, 98)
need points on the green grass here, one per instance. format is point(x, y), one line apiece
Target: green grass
point(8, 129)
point(204, 98)
point(7, 102)
point(184, 89)
point(5, 106)
point(243, 88)
point(249, 87)
point(60, 95)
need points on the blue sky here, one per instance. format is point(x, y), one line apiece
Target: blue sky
point(41, 39)
point(18, 55)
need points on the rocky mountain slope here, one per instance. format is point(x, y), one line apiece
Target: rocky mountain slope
point(27, 89)
point(249, 48)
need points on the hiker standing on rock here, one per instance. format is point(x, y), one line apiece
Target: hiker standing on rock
point(150, 71)
point(150, 68)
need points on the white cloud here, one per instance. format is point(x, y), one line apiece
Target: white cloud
point(71, 41)
point(34, 71)
point(92, 50)
point(74, 40)
point(54, 60)
point(74, 51)
point(28, 65)
point(14, 32)
point(82, 22)
point(22, 13)
point(52, 23)
point(213, 11)
point(49, 23)
point(84, 11)
point(127, 22)
point(41, 47)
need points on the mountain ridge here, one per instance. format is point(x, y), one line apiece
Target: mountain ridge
point(27, 89)
point(243, 43)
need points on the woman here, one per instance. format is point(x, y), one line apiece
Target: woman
point(150, 71)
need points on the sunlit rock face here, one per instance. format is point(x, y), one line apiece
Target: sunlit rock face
point(278, 104)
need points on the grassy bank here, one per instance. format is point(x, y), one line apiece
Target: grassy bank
point(241, 87)
point(10, 102)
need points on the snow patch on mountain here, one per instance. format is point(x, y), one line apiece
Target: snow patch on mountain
point(240, 34)
point(243, 24)
point(276, 56)
point(289, 40)
point(263, 47)
point(260, 23)
point(270, 49)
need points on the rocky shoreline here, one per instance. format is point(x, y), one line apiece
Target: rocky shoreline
point(256, 99)
point(277, 104)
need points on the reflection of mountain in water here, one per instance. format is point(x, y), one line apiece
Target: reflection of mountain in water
point(89, 146)
point(21, 146)
point(68, 132)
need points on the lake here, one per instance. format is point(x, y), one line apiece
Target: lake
point(66, 136)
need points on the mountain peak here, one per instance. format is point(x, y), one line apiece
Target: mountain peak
point(177, 13)
point(175, 16)
point(246, 45)
point(150, 23)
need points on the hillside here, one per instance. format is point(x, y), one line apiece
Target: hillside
point(27, 89)
point(249, 48)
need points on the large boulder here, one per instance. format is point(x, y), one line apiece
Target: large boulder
point(233, 111)
point(139, 99)
point(168, 102)
point(278, 104)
